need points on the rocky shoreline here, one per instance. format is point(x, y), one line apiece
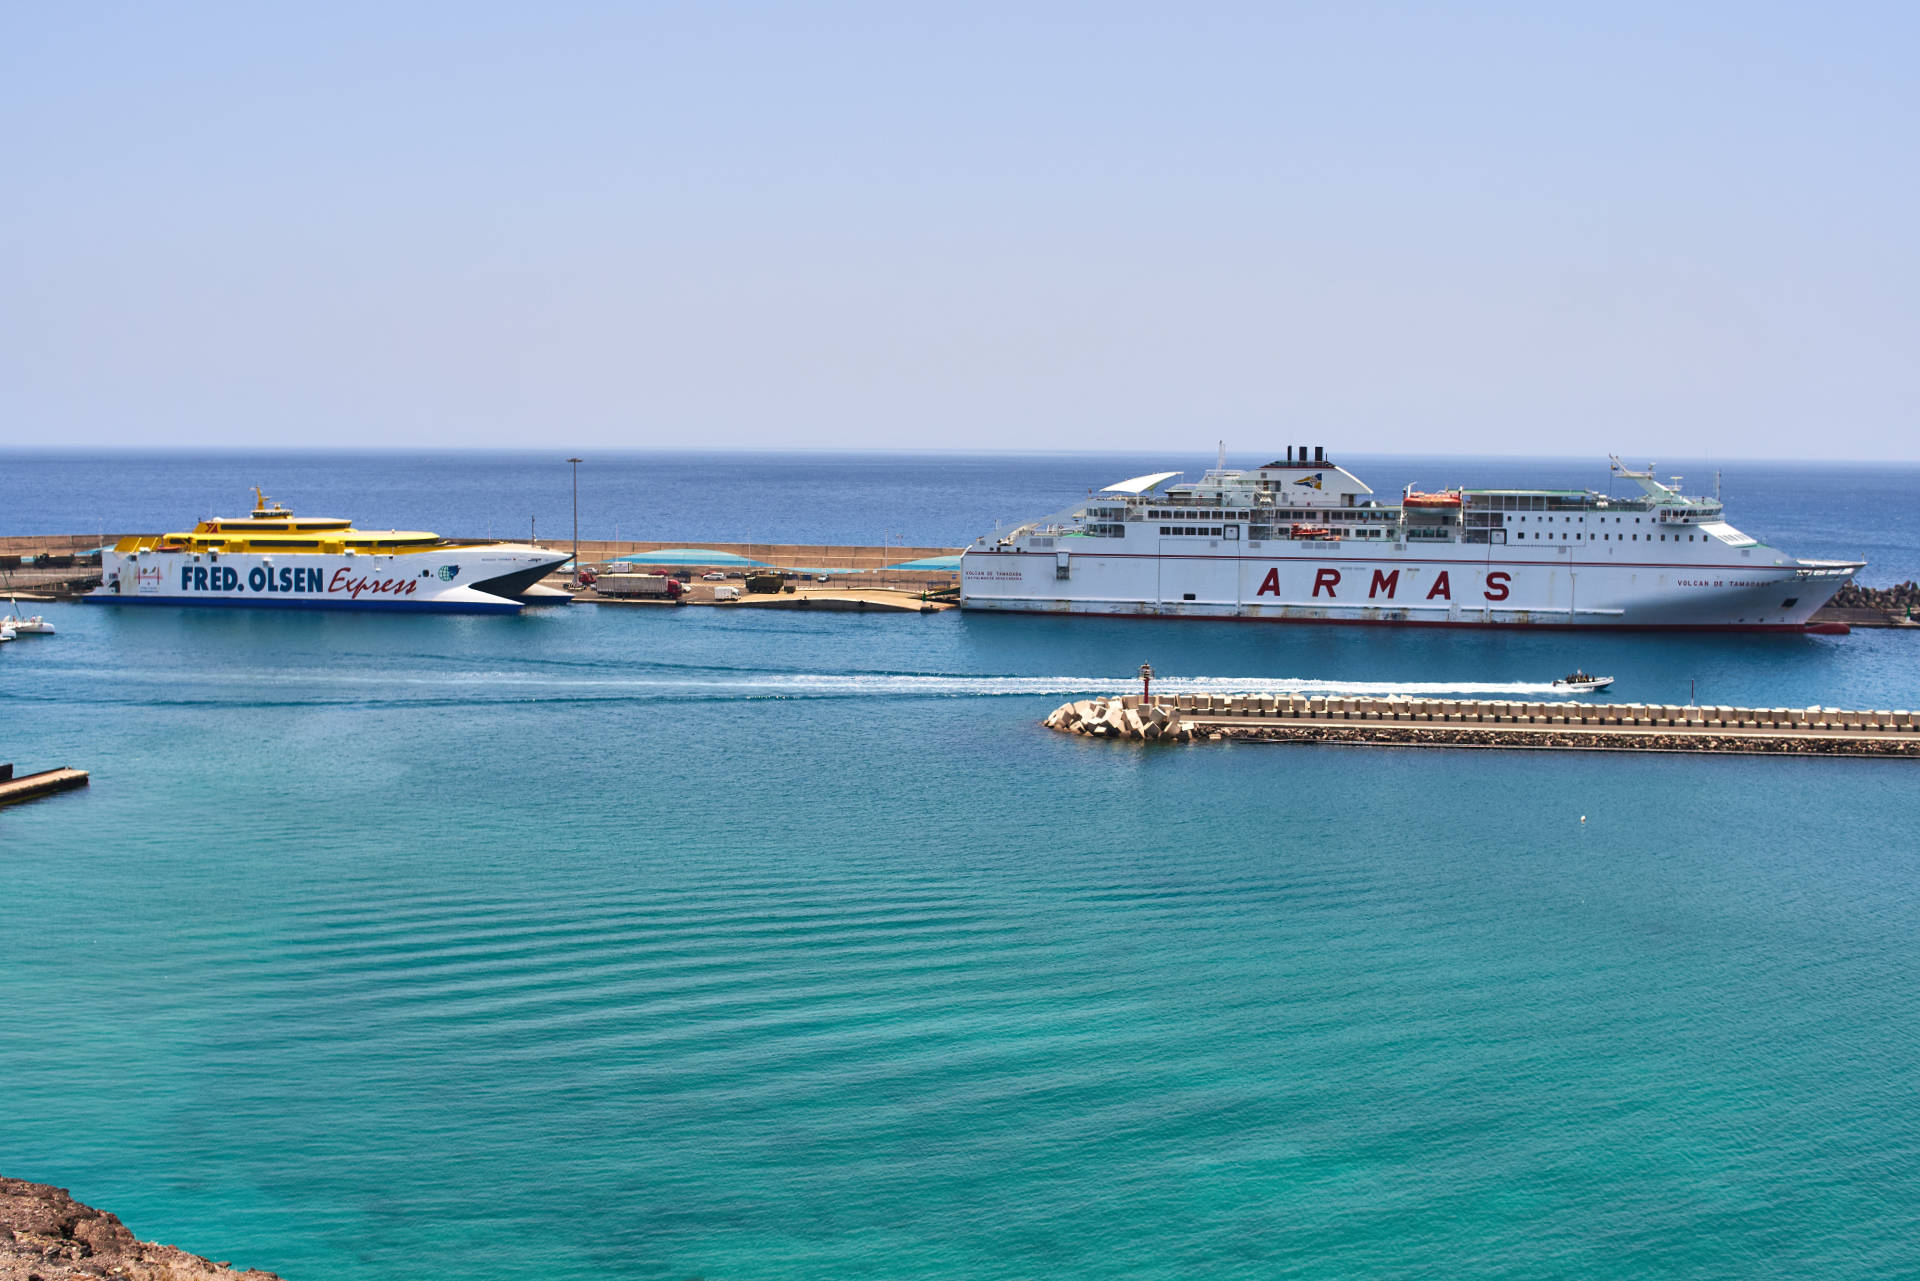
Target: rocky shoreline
point(46, 1235)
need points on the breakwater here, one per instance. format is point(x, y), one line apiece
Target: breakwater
point(1874, 606)
point(1419, 722)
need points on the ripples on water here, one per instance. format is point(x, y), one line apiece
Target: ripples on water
point(610, 943)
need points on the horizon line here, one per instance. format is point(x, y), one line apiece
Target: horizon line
point(560, 455)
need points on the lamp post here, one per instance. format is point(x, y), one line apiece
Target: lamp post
point(576, 518)
point(1146, 681)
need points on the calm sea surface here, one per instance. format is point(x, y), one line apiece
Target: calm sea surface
point(662, 944)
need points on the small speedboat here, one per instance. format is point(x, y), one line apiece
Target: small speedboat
point(1578, 682)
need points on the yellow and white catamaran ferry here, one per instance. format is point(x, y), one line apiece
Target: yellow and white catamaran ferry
point(275, 559)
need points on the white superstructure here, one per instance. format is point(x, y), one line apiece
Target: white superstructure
point(1305, 540)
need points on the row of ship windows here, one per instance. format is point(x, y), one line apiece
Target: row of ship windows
point(1609, 537)
point(1213, 531)
point(1384, 514)
point(1305, 513)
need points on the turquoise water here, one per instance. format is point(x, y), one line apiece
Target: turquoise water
point(632, 943)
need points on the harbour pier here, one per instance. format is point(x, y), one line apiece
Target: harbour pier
point(1431, 722)
point(30, 787)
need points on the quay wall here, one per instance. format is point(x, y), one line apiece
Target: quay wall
point(789, 555)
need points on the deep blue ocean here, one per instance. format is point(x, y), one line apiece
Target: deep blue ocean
point(1832, 510)
point(625, 943)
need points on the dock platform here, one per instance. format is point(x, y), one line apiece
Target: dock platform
point(1418, 722)
point(845, 600)
point(29, 787)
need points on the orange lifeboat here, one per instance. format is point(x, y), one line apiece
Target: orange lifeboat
point(1312, 531)
point(1445, 498)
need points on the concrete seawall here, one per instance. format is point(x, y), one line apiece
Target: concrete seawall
point(1416, 722)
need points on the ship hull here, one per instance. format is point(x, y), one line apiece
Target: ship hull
point(481, 579)
point(1336, 584)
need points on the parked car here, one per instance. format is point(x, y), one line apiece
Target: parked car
point(713, 576)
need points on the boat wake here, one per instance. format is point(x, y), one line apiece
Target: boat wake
point(898, 685)
point(262, 687)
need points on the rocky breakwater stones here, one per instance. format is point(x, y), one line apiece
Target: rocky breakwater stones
point(1112, 718)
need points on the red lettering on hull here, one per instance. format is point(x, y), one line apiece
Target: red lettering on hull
point(353, 588)
point(1442, 587)
point(1270, 585)
point(1327, 578)
point(1389, 581)
point(1497, 585)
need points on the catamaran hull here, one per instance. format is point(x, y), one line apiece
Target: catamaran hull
point(450, 580)
point(474, 605)
point(1430, 589)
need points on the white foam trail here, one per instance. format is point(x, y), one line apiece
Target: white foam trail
point(833, 684)
point(721, 685)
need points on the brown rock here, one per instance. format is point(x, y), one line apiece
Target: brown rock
point(45, 1233)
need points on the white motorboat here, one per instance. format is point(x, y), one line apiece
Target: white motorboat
point(16, 624)
point(1578, 682)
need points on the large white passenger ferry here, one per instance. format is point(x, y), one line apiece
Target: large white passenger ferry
point(273, 558)
point(1301, 539)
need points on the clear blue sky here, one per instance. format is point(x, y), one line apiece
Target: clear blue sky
point(1684, 229)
